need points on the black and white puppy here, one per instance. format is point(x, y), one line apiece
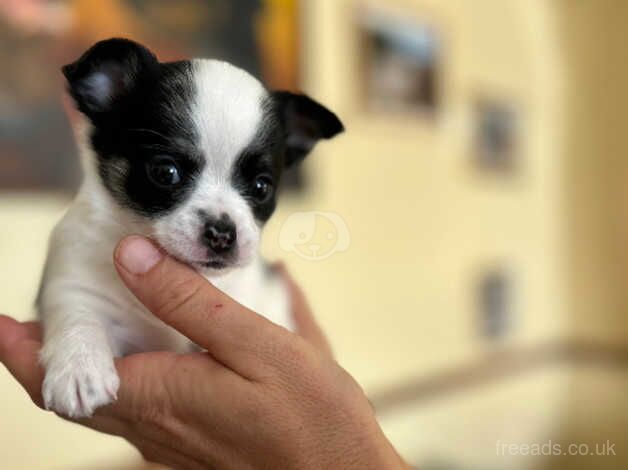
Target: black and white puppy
point(188, 153)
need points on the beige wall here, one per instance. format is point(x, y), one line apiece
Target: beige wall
point(423, 221)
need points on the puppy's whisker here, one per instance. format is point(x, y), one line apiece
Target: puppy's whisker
point(157, 147)
point(149, 131)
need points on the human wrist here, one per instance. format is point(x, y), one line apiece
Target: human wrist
point(364, 446)
point(382, 455)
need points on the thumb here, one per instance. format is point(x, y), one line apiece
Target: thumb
point(19, 352)
point(234, 335)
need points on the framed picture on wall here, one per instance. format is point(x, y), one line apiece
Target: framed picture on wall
point(496, 127)
point(401, 59)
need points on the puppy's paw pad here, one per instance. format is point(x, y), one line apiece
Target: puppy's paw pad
point(76, 388)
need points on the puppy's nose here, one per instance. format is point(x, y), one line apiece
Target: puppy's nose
point(220, 235)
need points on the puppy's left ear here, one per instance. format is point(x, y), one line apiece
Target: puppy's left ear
point(104, 77)
point(305, 122)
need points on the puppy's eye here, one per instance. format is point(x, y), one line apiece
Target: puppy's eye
point(263, 188)
point(163, 172)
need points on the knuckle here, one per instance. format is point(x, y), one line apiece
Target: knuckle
point(151, 420)
point(141, 413)
point(299, 364)
point(351, 391)
point(329, 384)
point(349, 394)
point(178, 297)
point(150, 414)
point(296, 359)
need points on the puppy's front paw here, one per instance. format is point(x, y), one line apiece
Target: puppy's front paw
point(75, 386)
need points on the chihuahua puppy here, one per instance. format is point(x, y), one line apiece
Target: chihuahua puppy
point(188, 153)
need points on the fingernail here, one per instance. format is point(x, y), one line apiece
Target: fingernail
point(138, 255)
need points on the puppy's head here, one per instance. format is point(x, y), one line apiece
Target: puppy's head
point(195, 148)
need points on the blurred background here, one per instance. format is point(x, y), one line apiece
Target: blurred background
point(463, 243)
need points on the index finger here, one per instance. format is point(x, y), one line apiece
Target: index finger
point(234, 335)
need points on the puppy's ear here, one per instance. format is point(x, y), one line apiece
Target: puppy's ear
point(104, 76)
point(305, 122)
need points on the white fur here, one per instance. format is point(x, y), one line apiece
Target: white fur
point(227, 111)
point(89, 315)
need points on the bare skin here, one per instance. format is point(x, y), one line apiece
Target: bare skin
point(259, 397)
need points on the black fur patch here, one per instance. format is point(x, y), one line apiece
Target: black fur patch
point(264, 155)
point(304, 123)
point(139, 109)
point(155, 122)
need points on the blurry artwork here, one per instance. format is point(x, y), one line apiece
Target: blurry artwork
point(402, 59)
point(38, 36)
point(495, 304)
point(495, 138)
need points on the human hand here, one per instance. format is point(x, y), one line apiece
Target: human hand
point(259, 397)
